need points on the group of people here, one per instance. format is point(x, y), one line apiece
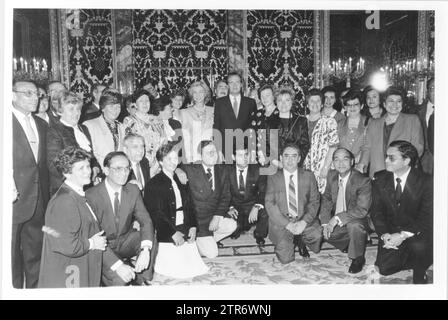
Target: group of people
point(109, 192)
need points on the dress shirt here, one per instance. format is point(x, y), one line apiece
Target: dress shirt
point(136, 168)
point(403, 178)
point(213, 174)
point(80, 137)
point(238, 101)
point(429, 111)
point(238, 175)
point(178, 196)
point(344, 186)
point(21, 118)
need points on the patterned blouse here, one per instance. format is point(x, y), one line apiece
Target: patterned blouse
point(324, 136)
point(151, 129)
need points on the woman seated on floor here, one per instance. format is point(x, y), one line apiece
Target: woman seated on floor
point(168, 202)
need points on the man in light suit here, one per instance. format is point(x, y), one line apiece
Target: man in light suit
point(292, 202)
point(210, 190)
point(117, 205)
point(344, 208)
point(233, 111)
point(30, 175)
point(404, 127)
point(426, 115)
point(402, 212)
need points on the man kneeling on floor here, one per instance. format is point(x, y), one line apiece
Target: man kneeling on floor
point(292, 201)
point(209, 186)
point(345, 204)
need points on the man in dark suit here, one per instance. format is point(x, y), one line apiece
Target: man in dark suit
point(232, 111)
point(402, 212)
point(31, 182)
point(117, 205)
point(292, 201)
point(426, 115)
point(247, 189)
point(210, 190)
point(344, 208)
point(134, 147)
point(92, 109)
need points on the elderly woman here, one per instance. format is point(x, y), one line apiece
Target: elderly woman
point(352, 130)
point(373, 108)
point(196, 120)
point(146, 125)
point(73, 243)
point(67, 133)
point(106, 132)
point(169, 204)
point(324, 139)
point(394, 125)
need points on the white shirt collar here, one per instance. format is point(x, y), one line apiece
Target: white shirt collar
point(68, 125)
point(244, 170)
point(288, 174)
point(19, 114)
point(77, 189)
point(111, 191)
point(403, 178)
point(345, 179)
point(168, 175)
point(232, 98)
point(206, 168)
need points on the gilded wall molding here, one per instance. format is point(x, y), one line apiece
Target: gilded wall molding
point(422, 50)
point(321, 46)
point(54, 44)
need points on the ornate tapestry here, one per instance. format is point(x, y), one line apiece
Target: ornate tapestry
point(280, 49)
point(90, 49)
point(431, 44)
point(177, 47)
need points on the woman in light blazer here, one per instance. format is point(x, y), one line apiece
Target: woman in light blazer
point(394, 125)
point(106, 132)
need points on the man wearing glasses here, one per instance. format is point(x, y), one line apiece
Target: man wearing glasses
point(31, 181)
point(117, 205)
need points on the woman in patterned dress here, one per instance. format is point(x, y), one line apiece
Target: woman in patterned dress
point(196, 120)
point(149, 126)
point(324, 139)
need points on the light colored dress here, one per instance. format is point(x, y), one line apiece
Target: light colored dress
point(196, 126)
point(323, 137)
point(151, 129)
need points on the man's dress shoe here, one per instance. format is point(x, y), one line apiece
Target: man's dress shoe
point(298, 242)
point(260, 241)
point(357, 265)
point(219, 244)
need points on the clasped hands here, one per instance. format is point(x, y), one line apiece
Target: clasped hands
point(329, 227)
point(179, 239)
point(253, 215)
point(392, 241)
point(127, 273)
point(297, 227)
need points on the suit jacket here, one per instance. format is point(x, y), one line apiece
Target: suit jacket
point(59, 137)
point(69, 216)
point(207, 202)
point(89, 111)
point(161, 203)
point(358, 197)
point(30, 177)
point(414, 214)
point(276, 203)
point(144, 165)
point(255, 188)
point(427, 158)
point(52, 118)
point(131, 209)
point(102, 138)
point(357, 145)
point(407, 127)
point(224, 116)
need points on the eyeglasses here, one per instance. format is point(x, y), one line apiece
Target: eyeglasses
point(121, 169)
point(28, 93)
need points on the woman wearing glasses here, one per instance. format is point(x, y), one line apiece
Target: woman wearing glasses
point(73, 243)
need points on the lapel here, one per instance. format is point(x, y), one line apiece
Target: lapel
point(17, 128)
point(409, 192)
point(103, 126)
point(348, 189)
point(230, 106)
point(107, 208)
point(334, 185)
point(282, 189)
point(125, 207)
point(250, 179)
point(389, 189)
point(40, 132)
point(217, 178)
point(234, 178)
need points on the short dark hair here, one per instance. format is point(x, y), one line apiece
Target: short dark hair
point(329, 89)
point(166, 148)
point(394, 91)
point(352, 95)
point(315, 92)
point(137, 94)
point(407, 150)
point(203, 144)
point(218, 82)
point(266, 86)
point(108, 158)
point(235, 73)
point(286, 90)
point(159, 105)
point(65, 159)
point(366, 90)
point(109, 98)
point(350, 154)
point(291, 145)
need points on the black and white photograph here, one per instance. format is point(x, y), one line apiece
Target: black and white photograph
point(264, 150)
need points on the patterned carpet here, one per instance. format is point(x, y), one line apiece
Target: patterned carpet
point(240, 262)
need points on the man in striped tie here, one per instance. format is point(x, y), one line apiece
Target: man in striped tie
point(292, 202)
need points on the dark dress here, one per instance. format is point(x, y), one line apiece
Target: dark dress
point(66, 260)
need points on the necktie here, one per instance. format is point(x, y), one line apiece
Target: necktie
point(32, 139)
point(138, 174)
point(398, 191)
point(340, 202)
point(116, 208)
point(235, 107)
point(241, 188)
point(292, 197)
point(210, 178)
